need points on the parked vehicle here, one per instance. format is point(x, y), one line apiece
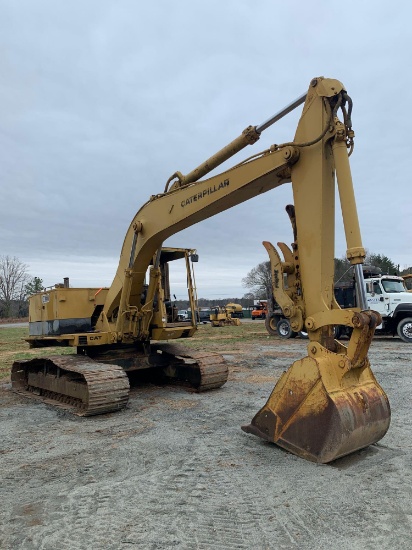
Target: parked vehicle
point(235, 309)
point(202, 315)
point(260, 310)
point(277, 324)
point(221, 317)
point(182, 315)
point(386, 294)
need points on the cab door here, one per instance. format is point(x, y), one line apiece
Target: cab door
point(375, 297)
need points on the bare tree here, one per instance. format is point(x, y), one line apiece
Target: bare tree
point(13, 279)
point(260, 280)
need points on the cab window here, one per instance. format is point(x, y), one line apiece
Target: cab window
point(393, 286)
point(376, 288)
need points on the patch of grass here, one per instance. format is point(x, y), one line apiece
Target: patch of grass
point(225, 338)
point(14, 347)
point(10, 337)
point(208, 338)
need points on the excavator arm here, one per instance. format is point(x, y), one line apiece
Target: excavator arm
point(329, 403)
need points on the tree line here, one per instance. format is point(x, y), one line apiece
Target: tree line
point(259, 279)
point(16, 285)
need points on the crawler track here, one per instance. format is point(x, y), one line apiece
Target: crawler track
point(76, 383)
point(204, 371)
point(87, 387)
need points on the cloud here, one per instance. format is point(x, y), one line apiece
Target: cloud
point(101, 102)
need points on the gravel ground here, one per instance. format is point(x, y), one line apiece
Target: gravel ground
point(174, 470)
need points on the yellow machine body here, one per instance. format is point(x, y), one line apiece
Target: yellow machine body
point(221, 317)
point(64, 310)
point(234, 309)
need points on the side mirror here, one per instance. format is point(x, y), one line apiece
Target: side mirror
point(381, 299)
point(194, 258)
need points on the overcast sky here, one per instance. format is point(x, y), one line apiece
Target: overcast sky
point(102, 100)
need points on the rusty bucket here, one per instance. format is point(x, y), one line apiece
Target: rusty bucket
point(322, 408)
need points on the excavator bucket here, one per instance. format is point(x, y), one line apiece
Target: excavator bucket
point(322, 409)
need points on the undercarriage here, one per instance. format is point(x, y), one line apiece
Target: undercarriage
point(100, 384)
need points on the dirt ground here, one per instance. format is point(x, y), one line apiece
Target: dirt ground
point(174, 470)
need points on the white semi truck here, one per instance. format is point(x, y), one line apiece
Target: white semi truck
point(386, 294)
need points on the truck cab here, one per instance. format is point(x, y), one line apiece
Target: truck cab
point(260, 309)
point(386, 294)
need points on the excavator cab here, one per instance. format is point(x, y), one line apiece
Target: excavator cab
point(165, 320)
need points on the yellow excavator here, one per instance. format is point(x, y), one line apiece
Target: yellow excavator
point(327, 404)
